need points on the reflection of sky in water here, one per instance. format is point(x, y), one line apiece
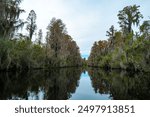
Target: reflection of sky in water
point(32, 95)
point(85, 90)
point(120, 85)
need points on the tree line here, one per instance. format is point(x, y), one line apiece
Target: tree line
point(125, 48)
point(19, 51)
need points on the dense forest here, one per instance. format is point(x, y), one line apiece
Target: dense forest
point(125, 48)
point(47, 64)
point(19, 51)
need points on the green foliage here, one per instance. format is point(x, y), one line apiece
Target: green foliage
point(124, 50)
point(130, 15)
point(5, 49)
point(31, 26)
point(138, 55)
point(111, 32)
point(40, 36)
point(20, 54)
point(9, 19)
point(62, 49)
point(135, 57)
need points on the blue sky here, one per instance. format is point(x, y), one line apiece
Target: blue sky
point(86, 20)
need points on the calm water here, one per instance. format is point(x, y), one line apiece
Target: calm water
point(74, 84)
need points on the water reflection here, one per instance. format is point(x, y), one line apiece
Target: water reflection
point(120, 84)
point(58, 84)
point(85, 91)
point(72, 83)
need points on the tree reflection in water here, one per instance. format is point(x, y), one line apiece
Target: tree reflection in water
point(120, 84)
point(61, 84)
point(58, 84)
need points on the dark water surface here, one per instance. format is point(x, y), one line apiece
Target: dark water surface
point(74, 84)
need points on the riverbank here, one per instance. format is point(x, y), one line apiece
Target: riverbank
point(134, 58)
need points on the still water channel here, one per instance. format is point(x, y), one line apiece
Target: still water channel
point(74, 84)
